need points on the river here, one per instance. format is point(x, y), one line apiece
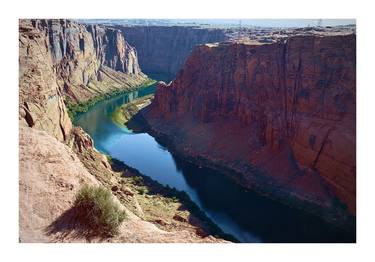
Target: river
point(243, 214)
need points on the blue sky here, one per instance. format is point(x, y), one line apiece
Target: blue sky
point(275, 22)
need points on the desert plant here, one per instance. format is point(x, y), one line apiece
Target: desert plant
point(141, 190)
point(97, 210)
point(137, 180)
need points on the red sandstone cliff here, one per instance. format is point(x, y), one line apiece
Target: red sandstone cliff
point(164, 49)
point(282, 115)
point(61, 58)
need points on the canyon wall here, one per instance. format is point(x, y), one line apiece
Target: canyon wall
point(60, 60)
point(163, 49)
point(281, 116)
point(41, 102)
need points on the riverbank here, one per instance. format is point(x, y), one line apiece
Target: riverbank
point(167, 208)
point(164, 206)
point(237, 211)
point(124, 113)
point(75, 109)
point(335, 215)
point(167, 202)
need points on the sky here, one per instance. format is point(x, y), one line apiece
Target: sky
point(232, 22)
point(275, 22)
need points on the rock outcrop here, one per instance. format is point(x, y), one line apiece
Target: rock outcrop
point(164, 49)
point(113, 51)
point(280, 117)
point(51, 173)
point(41, 102)
point(61, 59)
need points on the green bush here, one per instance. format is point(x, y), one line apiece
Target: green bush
point(141, 190)
point(97, 210)
point(137, 180)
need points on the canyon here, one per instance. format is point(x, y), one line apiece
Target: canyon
point(62, 62)
point(164, 49)
point(273, 110)
point(279, 118)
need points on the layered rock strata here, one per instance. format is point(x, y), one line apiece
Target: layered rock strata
point(280, 117)
point(61, 59)
point(164, 49)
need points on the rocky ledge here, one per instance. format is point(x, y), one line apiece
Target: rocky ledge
point(51, 173)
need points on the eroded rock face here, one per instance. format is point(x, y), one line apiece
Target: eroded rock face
point(62, 59)
point(41, 104)
point(164, 49)
point(282, 115)
point(81, 140)
point(68, 39)
point(113, 51)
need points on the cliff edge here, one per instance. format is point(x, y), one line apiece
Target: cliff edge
point(279, 118)
point(62, 60)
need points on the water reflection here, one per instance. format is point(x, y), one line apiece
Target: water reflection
point(243, 214)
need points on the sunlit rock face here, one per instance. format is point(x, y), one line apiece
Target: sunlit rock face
point(62, 59)
point(113, 51)
point(283, 114)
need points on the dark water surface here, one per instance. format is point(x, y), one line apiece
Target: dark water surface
point(238, 212)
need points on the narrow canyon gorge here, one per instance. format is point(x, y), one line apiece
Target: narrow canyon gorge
point(164, 49)
point(274, 111)
point(63, 61)
point(281, 116)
